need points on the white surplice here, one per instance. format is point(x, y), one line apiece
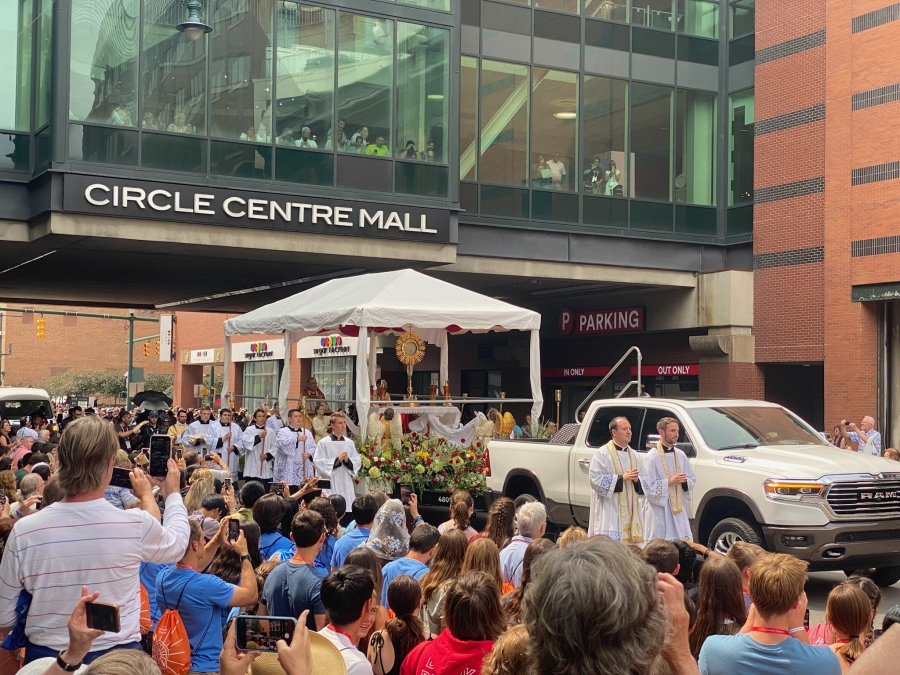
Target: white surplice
point(195, 428)
point(660, 521)
point(604, 518)
point(290, 466)
point(215, 443)
point(252, 446)
point(274, 423)
point(342, 483)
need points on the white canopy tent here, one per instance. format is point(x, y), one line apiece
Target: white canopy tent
point(385, 302)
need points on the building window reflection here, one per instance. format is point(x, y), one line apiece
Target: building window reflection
point(365, 80)
point(651, 137)
point(605, 170)
point(610, 10)
point(15, 58)
point(740, 147)
point(173, 78)
point(652, 13)
point(504, 123)
point(695, 148)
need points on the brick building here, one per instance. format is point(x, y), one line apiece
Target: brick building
point(825, 232)
point(72, 343)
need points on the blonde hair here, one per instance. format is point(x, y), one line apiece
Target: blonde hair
point(123, 662)
point(776, 582)
point(122, 460)
point(743, 554)
point(849, 610)
point(86, 448)
point(199, 489)
point(200, 474)
point(892, 453)
point(484, 556)
point(509, 655)
point(571, 535)
point(8, 482)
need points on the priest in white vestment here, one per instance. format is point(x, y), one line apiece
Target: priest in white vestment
point(224, 438)
point(668, 486)
point(258, 460)
point(194, 437)
point(337, 460)
point(616, 472)
point(294, 452)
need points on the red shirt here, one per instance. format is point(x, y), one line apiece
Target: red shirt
point(446, 655)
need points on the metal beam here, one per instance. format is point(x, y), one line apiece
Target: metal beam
point(58, 312)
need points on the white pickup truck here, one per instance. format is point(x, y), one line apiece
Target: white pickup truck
point(763, 476)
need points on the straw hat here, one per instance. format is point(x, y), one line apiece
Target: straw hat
point(326, 659)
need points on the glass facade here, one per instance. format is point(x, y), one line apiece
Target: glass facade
point(334, 376)
point(15, 57)
point(740, 148)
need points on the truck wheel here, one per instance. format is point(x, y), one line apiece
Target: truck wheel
point(730, 530)
point(886, 576)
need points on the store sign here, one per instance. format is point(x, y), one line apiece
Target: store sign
point(600, 371)
point(242, 208)
point(325, 346)
point(601, 321)
point(270, 350)
point(165, 337)
point(203, 356)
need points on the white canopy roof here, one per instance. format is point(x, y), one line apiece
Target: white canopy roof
point(385, 300)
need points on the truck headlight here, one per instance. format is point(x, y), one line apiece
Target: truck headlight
point(793, 491)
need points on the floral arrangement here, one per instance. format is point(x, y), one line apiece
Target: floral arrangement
point(427, 462)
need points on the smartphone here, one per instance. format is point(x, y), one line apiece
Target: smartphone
point(323, 484)
point(160, 453)
point(234, 529)
point(2, 496)
point(120, 478)
point(262, 633)
point(405, 492)
point(276, 488)
point(227, 484)
point(101, 616)
point(806, 619)
point(39, 503)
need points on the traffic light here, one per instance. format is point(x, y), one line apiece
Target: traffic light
point(41, 325)
point(147, 349)
point(157, 347)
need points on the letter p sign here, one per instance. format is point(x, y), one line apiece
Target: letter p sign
point(565, 321)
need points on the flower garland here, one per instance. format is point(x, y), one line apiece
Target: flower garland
point(429, 463)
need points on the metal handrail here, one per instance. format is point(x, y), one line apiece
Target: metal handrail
point(609, 374)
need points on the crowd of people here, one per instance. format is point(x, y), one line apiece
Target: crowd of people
point(373, 588)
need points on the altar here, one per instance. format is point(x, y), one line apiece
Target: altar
point(414, 306)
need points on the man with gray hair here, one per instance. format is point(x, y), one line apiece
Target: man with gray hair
point(532, 520)
point(867, 440)
point(103, 546)
point(597, 609)
point(32, 484)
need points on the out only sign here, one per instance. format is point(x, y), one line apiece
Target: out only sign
point(601, 321)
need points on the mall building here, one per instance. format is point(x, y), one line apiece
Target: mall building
point(589, 159)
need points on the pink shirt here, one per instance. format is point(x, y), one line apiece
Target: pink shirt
point(821, 634)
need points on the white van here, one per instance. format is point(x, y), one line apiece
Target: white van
point(18, 402)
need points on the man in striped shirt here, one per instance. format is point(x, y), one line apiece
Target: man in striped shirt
point(85, 541)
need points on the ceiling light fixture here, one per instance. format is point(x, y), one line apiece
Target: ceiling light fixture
point(565, 115)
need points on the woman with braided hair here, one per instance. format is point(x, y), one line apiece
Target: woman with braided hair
point(501, 520)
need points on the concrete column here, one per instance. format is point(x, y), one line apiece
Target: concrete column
point(727, 369)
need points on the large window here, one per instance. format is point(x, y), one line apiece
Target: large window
point(305, 86)
point(740, 147)
point(611, 10)
point(695, 148)
point(554, 130)
point(605, 170)
point(173, 80)
point(651, 129)
point(335, 378)
point(15, 64)
point(240, 70)
point(742, 18)
point(652, 13)
point(44, 53)
point(468, 118)
point(365, 79)
point(504, 123)
point(103, 81)
point(261, 380)
point(423, 92)
point(698, 17)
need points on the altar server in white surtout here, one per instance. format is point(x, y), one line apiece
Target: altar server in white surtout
point(616, 472)
point(224, 438)
point(668, 486)
point(255, 443)
point(337, 460)
point(295, 450)
point(194, 437)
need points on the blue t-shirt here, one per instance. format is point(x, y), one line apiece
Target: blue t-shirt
point(290, 589)
point(149, 572)
point(394, 569)
point(729, 654)
point(353, 539)
point(203, 607)
point(323, 560)
point(271, 543)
